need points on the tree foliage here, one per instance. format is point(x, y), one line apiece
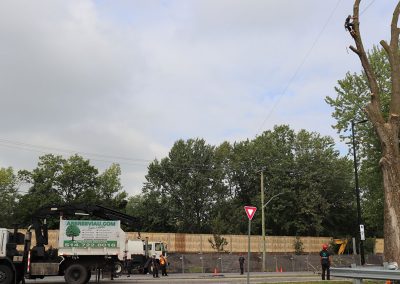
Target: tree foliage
point(8, 197)
point(186, 180)
point(352, 96)
point(201, 188)
point(57, 180)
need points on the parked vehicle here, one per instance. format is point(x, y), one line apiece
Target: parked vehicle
point(137, 255)
point(84, 246)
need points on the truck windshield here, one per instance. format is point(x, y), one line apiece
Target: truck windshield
point(159, 247)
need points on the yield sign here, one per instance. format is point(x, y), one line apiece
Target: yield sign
point(250, 210)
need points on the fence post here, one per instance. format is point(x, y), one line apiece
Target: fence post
point(231, 242)
point(201, 243)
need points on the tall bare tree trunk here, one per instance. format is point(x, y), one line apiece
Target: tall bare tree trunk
point(390, 165)
point(386, 129)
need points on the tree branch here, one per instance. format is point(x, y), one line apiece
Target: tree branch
point(394, 41)
point(386, 47)
point(354, 50)
point(394, 118)
point(394, 57)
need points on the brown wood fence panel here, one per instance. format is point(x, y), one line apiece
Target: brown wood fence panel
point(379, 244)
point(198, 243)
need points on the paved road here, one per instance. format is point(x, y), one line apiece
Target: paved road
point(201, 278)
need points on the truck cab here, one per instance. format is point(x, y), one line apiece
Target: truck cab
point(139, 252)
point(155, 248)
point(11, 261)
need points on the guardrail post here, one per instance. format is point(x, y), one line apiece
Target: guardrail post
point(385, 265)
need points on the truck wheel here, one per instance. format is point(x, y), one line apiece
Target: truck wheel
point(118, 268)
point(6, 275)
point(76, 274)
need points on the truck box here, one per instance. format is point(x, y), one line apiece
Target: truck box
point(90, 237)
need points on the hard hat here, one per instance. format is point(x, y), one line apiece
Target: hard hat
point(324, 246)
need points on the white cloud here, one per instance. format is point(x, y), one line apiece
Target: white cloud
point(126, 79)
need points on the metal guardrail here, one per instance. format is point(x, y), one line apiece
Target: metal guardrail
point(360, 273)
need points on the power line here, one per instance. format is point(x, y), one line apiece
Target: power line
point(300, 66)
point(108, 158)
point(366, 8)
point(70, 151)
point(131, 161)
point(92, 156)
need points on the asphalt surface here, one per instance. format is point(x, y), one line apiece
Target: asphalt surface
point(201, 278)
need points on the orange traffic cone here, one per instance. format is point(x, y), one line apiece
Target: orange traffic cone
point(276, 267)
point(388, 282)
point(215, 271)
point(281, 269)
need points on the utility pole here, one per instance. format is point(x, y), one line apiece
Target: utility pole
point(358, 190)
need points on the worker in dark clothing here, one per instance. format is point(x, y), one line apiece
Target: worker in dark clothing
point(154, 266)
point(241, 263)
point(325, 262)
point(349, 26)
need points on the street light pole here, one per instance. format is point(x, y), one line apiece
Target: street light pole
point(357, 188)
point(262, 220)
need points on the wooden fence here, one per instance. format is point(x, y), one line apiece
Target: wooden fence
point(199, 243)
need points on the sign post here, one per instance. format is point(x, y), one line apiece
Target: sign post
point(250, 211)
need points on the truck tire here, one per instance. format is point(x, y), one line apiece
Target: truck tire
point(76, 274)
point(118, 268)
point(6, 275)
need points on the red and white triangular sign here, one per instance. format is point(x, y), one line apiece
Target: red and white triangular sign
point(250, 210)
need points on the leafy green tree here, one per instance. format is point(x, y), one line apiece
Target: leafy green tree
point(77, 180)
point(218, 242)
point(298, 246)
point(74, 180)
point(152, 210)
point(8, 197)
point(314, 180)
point(186, 179)
point(210, 185)
point(352, 96)
point(109, 189)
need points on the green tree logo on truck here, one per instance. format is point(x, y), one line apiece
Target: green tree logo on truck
point(72, 231)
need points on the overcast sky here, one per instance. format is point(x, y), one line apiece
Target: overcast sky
point(121, 81)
